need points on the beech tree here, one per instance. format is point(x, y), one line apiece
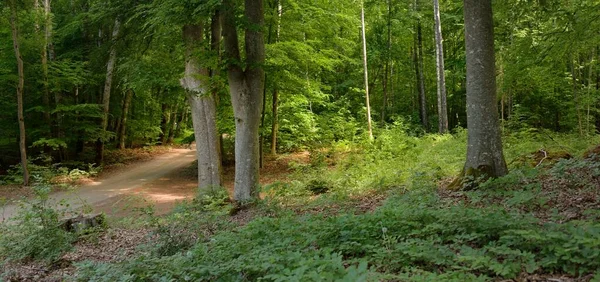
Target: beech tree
point(246, 84)
point(484, 145)
point(20, 85)
point(203, 107)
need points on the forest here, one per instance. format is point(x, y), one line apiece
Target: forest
point(299, 140)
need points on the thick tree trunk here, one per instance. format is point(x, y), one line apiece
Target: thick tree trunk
point(110, 67)
point(20, 86)
point(484, 146)
point(246, 88)
point(441, 77)
point(366, 69)
point(123, 127)
point(204, 111)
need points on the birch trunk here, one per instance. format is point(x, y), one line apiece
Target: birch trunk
point(20, 86)
point(485, 158)
point(110, 67)
point(246, 87)
point(441, 77)
point(204, 112)
point(366, 69)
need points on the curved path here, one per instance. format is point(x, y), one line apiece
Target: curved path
point(133, 177)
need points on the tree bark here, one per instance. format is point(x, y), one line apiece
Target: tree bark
point(387, 63)
point(366, 69)
point(576, 97)
point(44, 55)
point(20, 86)
point(275, 102)
point(420, 74)
point(173, 123)
point(441, 77)
point(246, 86)
point(110, 67)
point(485, 158)
point(164, 123)
point(275, 123)
point(123, 127)
point(204, 112)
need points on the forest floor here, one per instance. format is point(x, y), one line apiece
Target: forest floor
point(323, 201)
point(161, 180)
point(160, 183)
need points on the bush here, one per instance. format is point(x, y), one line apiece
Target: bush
point(36, 233)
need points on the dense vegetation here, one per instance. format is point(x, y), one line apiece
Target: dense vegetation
point(253, 78)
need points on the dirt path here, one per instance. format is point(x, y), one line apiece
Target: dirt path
point(132, 179)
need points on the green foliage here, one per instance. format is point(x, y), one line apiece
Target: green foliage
point(35, 234)
point(412, 237)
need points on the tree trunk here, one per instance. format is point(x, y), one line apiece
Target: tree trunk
point(366, 69)
point(387, 63)
point(204, 111)
point(275, 104)
point(275, 123)
point(441, 77)
point(173, 123)
point(110, 67)
point(20, 86)
point(46, 92)
point(215, 46)
point(246, 86)
point(485, 158)
point(123, 127)
point(420, 75)
point(164, 124)
point(576, 97)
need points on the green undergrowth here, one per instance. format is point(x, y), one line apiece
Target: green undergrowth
point(512, 227)
point(535, 221)
point(399, 161)
point(413, 237)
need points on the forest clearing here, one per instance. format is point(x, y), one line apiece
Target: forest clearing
point(296, 140)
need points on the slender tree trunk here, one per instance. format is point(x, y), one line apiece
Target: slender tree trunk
point(173, 123)
point(387, 63)
point(275, 102)
point(164, 123)
point(246, 86)
point(110, 67)
point(576, 97)
point(420, 74)
point(484, 145)
point(44, 56)
point(275, 123)
point(589, 95)
point(204, 111)
point(441, 77)
point(20, 86)
point(123, 127)
point(366, 69)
